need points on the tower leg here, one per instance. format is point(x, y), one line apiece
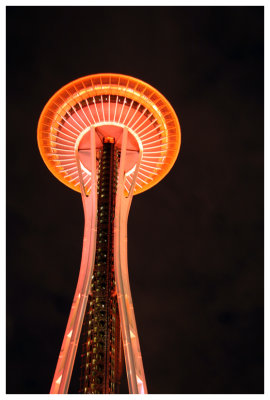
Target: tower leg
point(133, 358)
point(70, 342)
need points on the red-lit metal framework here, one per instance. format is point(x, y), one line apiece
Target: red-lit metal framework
point(72, 130)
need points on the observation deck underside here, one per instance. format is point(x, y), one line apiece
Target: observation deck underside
point(109, 102)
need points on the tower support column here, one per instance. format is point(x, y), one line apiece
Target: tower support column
point(132, 352)
point(70, 342)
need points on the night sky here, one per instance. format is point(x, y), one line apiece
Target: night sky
point(195, 239)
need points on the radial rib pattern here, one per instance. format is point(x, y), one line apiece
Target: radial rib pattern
point(109, 99)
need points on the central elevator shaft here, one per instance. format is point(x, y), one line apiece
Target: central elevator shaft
point(102, 351)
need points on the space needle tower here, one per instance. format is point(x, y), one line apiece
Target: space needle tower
point(108, 137)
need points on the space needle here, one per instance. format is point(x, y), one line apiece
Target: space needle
point(107, 136)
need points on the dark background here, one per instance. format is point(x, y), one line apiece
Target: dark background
point(195, 239)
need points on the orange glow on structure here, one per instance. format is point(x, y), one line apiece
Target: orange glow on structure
point(88, 101)
point(125, 127)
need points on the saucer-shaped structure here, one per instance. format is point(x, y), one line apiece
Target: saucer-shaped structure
point(109, 102)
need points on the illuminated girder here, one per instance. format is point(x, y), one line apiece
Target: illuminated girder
point(132, 353)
